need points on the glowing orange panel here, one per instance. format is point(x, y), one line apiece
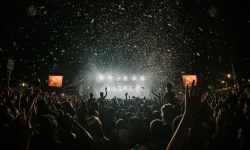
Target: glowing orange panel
point(188, 79)
point(55, 81)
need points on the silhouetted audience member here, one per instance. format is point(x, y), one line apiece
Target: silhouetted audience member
point(168, 115)
point(139, 134)
point(91, 99)
point(157, 141)
point(94, 107)
point(96, 130)
point(169, 96)
point(102, 97)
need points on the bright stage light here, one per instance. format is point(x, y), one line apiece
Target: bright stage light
point(134, 78)
point(125, 78)
point(101, 77)
point(120, 83)
point(142, 78)
point(110, 77)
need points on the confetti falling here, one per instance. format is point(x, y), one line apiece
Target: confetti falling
point(162, 39)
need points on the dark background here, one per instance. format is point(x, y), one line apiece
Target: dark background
point(164, 39)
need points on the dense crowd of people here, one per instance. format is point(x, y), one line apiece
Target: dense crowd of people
point(34, 119)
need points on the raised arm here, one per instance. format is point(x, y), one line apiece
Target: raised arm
point(28, 128)
point(193, 104)
point(155, 94)
point(80, 129)
point(106, 93)
point(159, 97)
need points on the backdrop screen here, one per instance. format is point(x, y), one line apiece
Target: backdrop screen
point(188, 79)
point(55, 81)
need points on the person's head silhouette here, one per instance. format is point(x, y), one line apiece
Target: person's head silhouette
point(169, 86)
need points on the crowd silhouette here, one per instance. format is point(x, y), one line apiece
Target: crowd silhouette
point(34, 119)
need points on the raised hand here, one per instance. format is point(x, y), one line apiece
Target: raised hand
point(222, 119)
point(27, 128)
point(219, 121)
point(193, 103)
point(19, 95)
point(247, 91)
point(193, 99)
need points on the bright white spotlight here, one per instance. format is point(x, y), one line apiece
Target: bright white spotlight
point(125, 78)
point(142, 78)
point(110, 77)
point(101, 77)
point(134, 78)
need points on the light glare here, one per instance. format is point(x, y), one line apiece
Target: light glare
point(101, 77)
point(110, 77)
point(125, 78)
point(134, 78)
point(142, 78)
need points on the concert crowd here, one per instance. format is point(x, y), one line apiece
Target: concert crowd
point(31, 119)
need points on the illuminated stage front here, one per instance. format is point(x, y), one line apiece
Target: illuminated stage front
point(118, 85)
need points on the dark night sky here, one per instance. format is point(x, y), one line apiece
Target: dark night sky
point(78, 37)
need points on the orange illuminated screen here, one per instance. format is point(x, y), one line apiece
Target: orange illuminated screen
point(188, 79)
point(55, 81)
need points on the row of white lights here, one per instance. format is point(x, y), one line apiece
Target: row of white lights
point(125, 78)
point(124, 88)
